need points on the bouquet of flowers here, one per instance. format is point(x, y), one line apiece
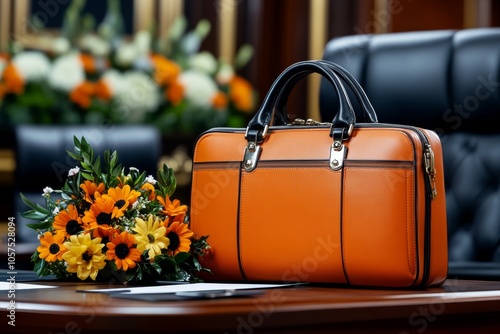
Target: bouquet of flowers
point(108, 224)
point(95, 74)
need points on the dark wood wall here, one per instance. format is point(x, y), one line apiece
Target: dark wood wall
point(279, 29)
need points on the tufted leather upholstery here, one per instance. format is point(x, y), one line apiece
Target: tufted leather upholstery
point(447, 81)
point(42, 159)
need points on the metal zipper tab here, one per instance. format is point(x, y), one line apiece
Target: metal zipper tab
point(430, 169)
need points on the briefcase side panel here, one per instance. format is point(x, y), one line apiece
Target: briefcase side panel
point(214, 201)
point(439, 228)
point(378, 225)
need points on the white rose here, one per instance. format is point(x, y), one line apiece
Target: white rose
point(32, 65)
point(67, 72)
point(137, 95)
point(204, 62)
point(224, 74)
point(142, 41)
point(199, 88)
point(114, 81)
point(126, 54)
point(60, 45)
point(95, 45)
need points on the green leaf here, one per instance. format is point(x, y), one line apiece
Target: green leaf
point(156, 267)
point(181, 257)
point(34, 215)
point(40, 226)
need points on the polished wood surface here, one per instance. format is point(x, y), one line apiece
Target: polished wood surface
point(458, 307)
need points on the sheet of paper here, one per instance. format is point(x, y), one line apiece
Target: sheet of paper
point(6, 286)
point(175, 288)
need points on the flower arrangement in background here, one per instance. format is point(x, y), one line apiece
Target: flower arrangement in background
point(107, 224)
point(95, 74)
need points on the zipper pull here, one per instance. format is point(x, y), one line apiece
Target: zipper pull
point(430, 169)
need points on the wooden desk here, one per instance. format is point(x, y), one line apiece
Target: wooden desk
point(457, 307)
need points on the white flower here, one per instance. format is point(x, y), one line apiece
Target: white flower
point(114, 81)
point(32, 66)
point(73, 171)
point(133, 169)
point(126, 54)
point(136, 95)
point(67, 72)
point(204, 62)
point(199, 88)
point(224, 74)
point(60, 45)
point(56, 211)
point(95, 45)
point(150, 179)
point(47, 191)
point(142, 42)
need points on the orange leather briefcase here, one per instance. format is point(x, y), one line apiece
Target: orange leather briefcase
point(351, 203)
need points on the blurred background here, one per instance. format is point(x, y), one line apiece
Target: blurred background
point(182, 66)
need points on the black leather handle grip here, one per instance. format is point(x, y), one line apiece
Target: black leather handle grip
point(370, 116)
point(284, 84)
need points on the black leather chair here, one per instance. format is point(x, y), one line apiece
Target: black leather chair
point(41, 159)
point(447, 81)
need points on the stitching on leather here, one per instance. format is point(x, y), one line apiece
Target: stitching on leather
point(240, 227)
point(408, 224)
point(344, 261)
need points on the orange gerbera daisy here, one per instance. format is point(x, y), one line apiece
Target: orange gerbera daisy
point(180, 238)
point(175, 92)
point(101, 213)
point(102, 90)
point(123, 197)
point(121, 249)
point(90, 188)
point(13, 80)
point(219, 101)
point(105, 233)
point(240, 92)
point(165, 70)
point(51, 246)
point(82, 94)
point(68, 221)
point(150, 190)
point(172, 208)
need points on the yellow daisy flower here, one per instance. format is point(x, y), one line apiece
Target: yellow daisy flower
point(51, 246)
point(150, 236)
point(84, 256)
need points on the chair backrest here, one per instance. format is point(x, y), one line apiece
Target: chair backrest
point(42, 160)
point(447, 81)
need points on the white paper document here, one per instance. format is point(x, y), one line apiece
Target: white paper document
point(6, 286)
point(188, 287)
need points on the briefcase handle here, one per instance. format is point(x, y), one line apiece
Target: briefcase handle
point(370, 116)
point(343, 122)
